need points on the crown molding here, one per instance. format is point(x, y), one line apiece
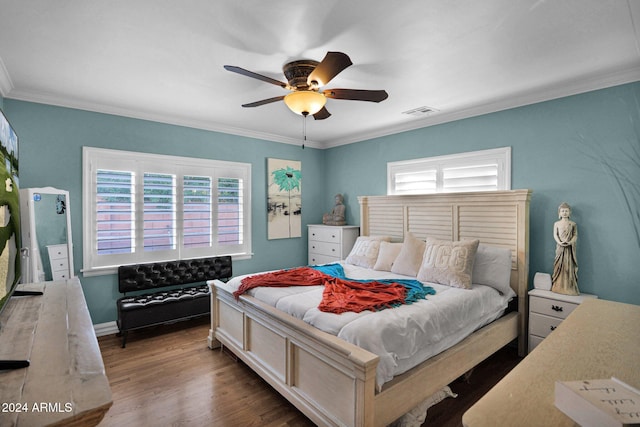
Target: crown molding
point(534, 96)
point(49, 99)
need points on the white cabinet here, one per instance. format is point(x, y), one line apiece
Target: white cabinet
point(331, 243)
point(547, 310)
point(59, 261)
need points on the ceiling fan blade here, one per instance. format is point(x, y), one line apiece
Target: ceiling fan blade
point(322, 114)
point(357, 94)
point(332, 64)
point(248, 73)
point(264, 101)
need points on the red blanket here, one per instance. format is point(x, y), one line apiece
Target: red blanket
point(339, 295)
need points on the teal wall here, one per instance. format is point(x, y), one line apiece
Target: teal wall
point(583, 149)
point(51, 140)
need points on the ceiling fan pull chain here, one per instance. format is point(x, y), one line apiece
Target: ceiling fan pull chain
point(304, 128)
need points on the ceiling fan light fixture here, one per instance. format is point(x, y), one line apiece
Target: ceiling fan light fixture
point(305, 101)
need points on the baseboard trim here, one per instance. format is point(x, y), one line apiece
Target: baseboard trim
point(107, 328)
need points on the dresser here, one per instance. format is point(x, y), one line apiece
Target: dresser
point(59, 260)
point(546, 310)
point(331, 243)
point(65, 383)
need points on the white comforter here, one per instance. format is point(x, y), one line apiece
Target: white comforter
point(402, 337)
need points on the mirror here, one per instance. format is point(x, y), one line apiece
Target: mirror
point(46, 234)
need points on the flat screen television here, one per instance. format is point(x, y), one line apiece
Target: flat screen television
point(9, 223)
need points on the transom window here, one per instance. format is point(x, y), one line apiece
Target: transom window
point(486, 170)
point(144, 208)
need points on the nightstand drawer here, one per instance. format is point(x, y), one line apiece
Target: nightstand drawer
point(555, 308)
point(324, 248)
point(315, 259)
point(547, 310)
point(324, 234)
point(541, 325)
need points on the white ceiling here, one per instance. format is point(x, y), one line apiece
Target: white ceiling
point(163, 60)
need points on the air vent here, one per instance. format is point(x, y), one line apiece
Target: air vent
point(420, 111)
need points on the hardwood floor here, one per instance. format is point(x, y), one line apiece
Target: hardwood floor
point(167, 376)
point(448, 413)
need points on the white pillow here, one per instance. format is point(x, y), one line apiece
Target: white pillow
point(410, 257)
point(365, 251)
point(493, 268)
point(449, 263)
point(387, 255)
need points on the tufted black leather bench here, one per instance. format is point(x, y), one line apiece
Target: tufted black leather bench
point(179, 303)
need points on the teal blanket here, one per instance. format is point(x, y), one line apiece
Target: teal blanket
point(415, 289)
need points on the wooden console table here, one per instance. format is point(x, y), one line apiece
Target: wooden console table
point(599, 339)
point(65, 383)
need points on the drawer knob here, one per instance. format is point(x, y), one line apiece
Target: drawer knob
point(333, 236)
point(556, 307)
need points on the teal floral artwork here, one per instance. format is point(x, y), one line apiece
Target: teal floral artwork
point(284, 199)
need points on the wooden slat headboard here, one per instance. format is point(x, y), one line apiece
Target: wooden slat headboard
point(495, 218)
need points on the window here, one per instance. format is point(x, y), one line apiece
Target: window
point(144, 208)
point(486, 170)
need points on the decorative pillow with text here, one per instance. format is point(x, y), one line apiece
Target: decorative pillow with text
point(365, 251)
point(449, 263)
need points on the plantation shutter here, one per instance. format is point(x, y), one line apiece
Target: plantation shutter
point(418, 182)
point(486, 170)
point(197, 212)
point(145, 208)
point(482, 177)
point(159, 212)
point(115, 213)
point(230, 213)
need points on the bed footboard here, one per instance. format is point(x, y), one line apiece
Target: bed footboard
point(329, 380)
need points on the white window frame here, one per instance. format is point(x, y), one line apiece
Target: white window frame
point(500, 156)
point(95, 159)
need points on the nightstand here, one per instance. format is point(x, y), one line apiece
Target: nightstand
point(331, 243)
point(547, 310)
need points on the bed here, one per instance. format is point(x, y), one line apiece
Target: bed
point(335, 382)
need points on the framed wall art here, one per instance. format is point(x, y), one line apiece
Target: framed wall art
point(284, 199)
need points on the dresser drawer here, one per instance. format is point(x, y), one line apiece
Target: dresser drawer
point(555, 308)
point(324, 248)
point(321, 259)
point(61, 264)
point(57, 251)
point(541, 325)
point(324, 234)
point(60, 275)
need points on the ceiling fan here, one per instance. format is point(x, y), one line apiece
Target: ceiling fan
point(305, 78)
